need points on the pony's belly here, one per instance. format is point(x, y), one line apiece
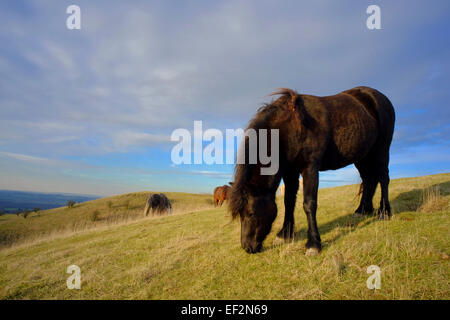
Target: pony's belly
point(349, 145)
point(335, 161)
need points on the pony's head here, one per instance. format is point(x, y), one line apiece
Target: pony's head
point(252, 196)
point(257, 213)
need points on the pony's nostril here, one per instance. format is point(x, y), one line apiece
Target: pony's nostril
point(253, 248)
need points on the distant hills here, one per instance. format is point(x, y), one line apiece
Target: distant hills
point(16, 201)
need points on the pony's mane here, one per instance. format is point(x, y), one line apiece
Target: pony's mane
point(238, 195)
point(288, 93)
point(261, 120)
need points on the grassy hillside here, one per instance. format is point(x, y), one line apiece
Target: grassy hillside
point(197, 255)
point(92, 214)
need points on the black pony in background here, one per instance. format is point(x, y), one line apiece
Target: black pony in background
point(158, 204)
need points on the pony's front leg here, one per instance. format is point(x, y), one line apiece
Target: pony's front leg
point(310, 185)
point(290, 195)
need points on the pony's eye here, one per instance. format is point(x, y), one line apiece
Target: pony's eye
point(250, 214)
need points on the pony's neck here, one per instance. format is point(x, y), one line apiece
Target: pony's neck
point(266, 184)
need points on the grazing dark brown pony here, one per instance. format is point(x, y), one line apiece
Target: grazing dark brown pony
point(157, 203)
point(315, 134)
point(221, 194)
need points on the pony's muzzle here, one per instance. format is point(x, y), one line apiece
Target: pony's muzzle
point(252, 247)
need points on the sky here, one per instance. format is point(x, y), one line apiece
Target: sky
point(91, 111)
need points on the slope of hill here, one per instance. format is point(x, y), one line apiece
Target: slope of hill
point(197, 255)
point(92, 214)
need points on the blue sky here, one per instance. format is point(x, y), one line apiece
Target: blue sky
point(92, 110)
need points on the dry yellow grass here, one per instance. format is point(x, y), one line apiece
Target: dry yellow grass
point(432, 200)
point(108, 211)
point(198, 256)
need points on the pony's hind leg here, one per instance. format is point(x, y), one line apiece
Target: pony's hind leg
point(369, 184)
point(384, 212)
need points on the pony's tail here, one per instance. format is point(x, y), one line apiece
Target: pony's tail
point(360, 191)
point(358, 195)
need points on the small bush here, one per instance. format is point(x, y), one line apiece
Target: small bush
point(26, 213)
point(432, 200)
point(70, 204)
point(37, 211)
point(95, 216)
point(8, 237)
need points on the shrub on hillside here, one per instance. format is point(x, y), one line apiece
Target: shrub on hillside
point(37, 211)
point(70, 204)
point(95, 216)
point(432, 200)
point(8, 237)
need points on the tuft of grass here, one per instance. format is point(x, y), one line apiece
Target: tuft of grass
point(432, 201)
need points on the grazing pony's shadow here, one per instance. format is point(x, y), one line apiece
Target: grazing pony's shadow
point(405, 201)
point(347, 224)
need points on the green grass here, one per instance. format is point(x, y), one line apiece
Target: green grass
point(197, 255)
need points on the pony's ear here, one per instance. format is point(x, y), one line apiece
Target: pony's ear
point(230, 183)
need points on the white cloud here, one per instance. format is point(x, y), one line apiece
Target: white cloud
point(23, 157)
point(62, 57)
point(125, 139)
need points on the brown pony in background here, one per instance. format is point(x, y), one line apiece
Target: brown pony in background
point(221, 194)
point(315, 134)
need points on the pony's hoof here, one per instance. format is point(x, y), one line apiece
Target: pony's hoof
point(311, 252)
